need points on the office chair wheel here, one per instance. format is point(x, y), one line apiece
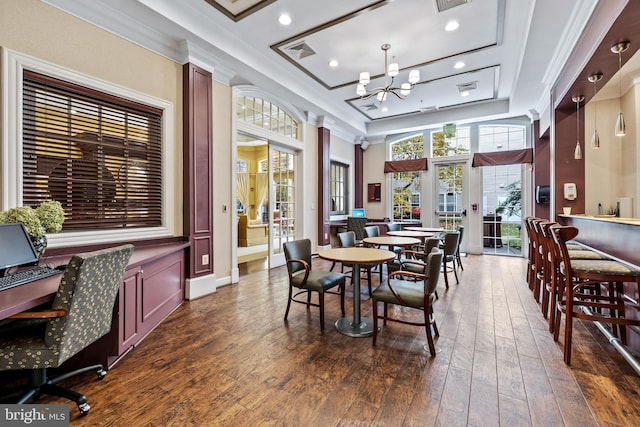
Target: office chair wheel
point(84, 408)
point(101, 373)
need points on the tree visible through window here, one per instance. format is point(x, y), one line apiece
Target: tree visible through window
point(98, 155)
point(405, 186)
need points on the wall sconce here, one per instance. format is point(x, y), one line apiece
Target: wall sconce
point(595, 138)
point(620, 129)
point(577, 153)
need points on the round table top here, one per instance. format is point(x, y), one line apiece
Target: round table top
point(410, 233)
point(426, 229)
point(391, 241)
point(357, 255)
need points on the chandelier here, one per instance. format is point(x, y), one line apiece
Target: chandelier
point(391, 71)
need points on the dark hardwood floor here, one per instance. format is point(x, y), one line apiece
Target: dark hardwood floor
point(229, 359)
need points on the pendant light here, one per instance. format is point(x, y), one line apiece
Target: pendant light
point(595, 138)
point(620, 129)
point(577, 153)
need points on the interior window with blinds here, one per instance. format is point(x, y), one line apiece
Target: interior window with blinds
point(97, 154)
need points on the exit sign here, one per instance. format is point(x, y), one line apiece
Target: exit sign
point(449, 129)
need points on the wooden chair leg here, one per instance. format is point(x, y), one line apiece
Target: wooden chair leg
point(427, 326)
point(375, 321)
point(321, 306)
point(286, 313)
point(446, 276)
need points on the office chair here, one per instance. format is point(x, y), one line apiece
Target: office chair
point(80, 314)
point(357, 225)
point(298, 255)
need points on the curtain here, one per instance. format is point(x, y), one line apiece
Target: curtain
point(242, 182)
point(262, 185)
point(503, 158)
point(405, 165)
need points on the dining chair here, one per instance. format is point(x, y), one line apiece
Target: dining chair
point(298, 256)
point(450, 248)
point(398, 290)
point(459, 229)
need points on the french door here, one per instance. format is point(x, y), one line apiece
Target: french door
point(282, 215)
point(450, 194)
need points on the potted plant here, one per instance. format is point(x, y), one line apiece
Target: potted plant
point(46, 218)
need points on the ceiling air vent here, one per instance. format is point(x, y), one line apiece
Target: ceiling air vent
point(300, 50)
point(465, 87)
point(443, 5)
point(369, 107)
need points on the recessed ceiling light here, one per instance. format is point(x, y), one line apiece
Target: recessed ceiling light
point(333, 63)
point(452, 26)
point(459, 65)
point(385, 109)
point(284, 19)
point(465, 93)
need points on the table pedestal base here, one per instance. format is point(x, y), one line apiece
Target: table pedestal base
point(346, 326)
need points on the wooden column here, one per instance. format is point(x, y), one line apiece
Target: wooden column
point(358, 185)
point(198, 165)
point(324, 166)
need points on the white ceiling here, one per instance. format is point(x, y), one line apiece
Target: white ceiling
point(512, 50)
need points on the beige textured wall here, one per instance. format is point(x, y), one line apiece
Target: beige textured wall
point(222, 172)
point(612, 170)
point(375, 155)
point(41, 31)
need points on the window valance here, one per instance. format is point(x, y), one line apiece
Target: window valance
point(503, 158)
point(411, 165)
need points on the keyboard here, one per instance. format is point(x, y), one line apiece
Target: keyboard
point(26, 276)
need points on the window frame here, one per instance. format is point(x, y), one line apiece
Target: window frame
point(345, 187)
point(13, 65)
point(418, 176)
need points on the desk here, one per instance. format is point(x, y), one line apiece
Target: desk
point(152, 287)
point(356, 326)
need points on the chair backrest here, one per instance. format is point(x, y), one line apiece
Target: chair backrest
point(372, 231)
point(460, 229)
point(394, 226)
point(451, 239)
point(357, 225)
point(347, 239)
point(434, 261)
point(88, 292)
point(429, 244)
point(297, 249)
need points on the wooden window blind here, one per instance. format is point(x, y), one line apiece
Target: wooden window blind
point(97, 154)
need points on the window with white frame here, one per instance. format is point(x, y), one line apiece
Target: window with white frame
point(339, 188)
point(451, 144)
point(405, 186)
point(100, 149)
point(263, 114)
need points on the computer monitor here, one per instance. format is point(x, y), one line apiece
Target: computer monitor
point(16, 248)
point(358, 213)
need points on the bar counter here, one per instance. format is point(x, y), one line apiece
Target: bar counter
point(617, 237)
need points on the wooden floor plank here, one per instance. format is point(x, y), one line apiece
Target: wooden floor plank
point(230, 359)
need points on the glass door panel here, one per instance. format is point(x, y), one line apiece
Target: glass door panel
point(450, 195)
point(283, 204)
point(501, 210)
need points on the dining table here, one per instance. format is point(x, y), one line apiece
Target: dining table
point(426, 229)
point(356, 325)
point(412, 233)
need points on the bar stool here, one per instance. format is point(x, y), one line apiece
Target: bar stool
point(579, 284)
point(549, 267)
